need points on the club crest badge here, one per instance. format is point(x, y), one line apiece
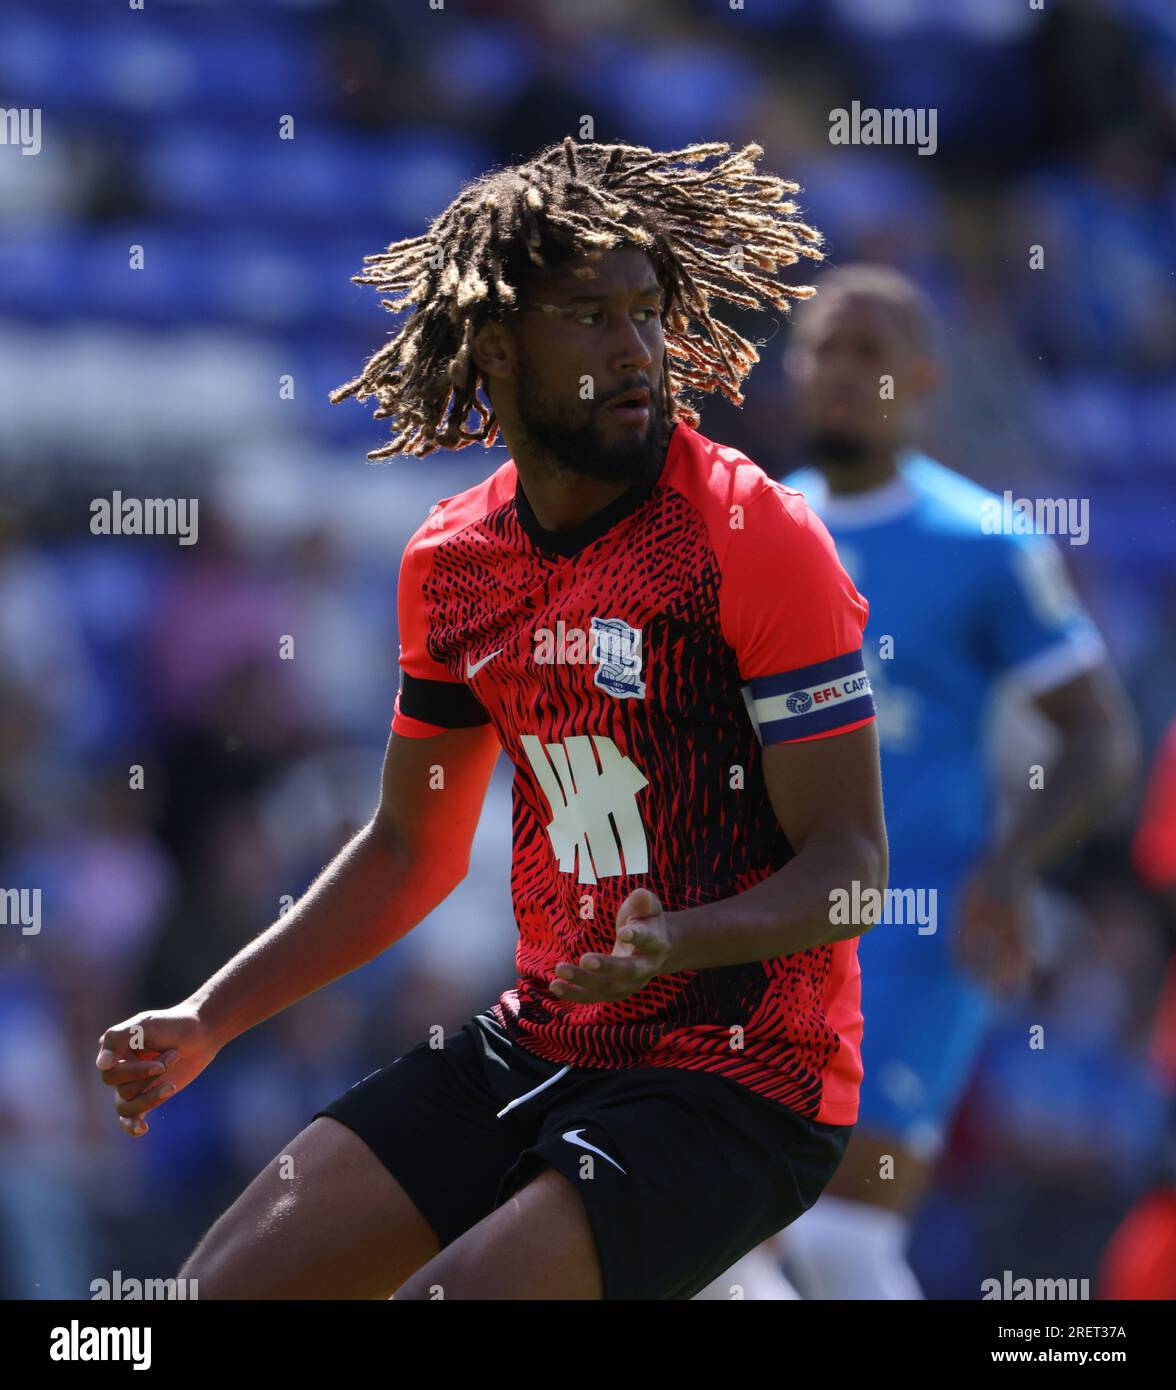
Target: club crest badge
point(616, 653)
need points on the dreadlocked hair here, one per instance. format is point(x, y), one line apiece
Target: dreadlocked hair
point(713, 227)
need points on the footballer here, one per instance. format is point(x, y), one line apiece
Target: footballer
point(674, 1077)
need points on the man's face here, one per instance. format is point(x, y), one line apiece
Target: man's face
point(842, 351)
point(580, 363)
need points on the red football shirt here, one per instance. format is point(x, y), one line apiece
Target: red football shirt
point(1153, 853)
point(633, 668)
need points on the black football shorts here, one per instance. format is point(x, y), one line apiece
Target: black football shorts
point(681, 1172)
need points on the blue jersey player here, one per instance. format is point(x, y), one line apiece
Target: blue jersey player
point(962, 602)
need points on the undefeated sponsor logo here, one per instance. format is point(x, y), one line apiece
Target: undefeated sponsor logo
point(591, 787)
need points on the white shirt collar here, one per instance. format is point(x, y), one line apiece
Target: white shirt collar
point(849, 511)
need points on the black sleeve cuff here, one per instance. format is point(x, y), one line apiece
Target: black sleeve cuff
point(446, 703)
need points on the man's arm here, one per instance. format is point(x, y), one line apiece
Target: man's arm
point(1096, 762)
point(409, 857)
point(827, 795)
point(1097, 759)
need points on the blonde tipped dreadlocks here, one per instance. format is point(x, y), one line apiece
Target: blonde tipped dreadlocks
point(721, 231)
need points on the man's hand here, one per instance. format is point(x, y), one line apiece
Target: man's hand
point(151, 1057)
point(993, 939)
point(641, 951)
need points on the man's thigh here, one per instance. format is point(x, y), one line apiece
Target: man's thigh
point(445, 1123)
point(640, 1184)
point(324, 1220)
point(537, 1245)
point(388, 1173)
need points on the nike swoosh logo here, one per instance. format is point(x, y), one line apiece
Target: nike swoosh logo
point(473, 667)
point(573, 1137)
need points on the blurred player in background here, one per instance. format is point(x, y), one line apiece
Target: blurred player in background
point(956, 612)
point(675, 1076)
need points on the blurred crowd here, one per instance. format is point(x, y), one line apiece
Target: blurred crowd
point(188, 734)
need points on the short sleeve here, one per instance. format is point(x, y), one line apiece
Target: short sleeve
point(795, 621)
point(1037, 634)
point(430, 700)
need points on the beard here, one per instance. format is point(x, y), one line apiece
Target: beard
point(839, 449)
point(578, 444)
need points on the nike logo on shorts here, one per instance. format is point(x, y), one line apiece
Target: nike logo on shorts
point(573, 1137)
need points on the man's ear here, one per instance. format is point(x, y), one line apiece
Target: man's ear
point(494, 350)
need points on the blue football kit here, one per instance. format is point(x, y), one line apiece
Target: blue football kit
point(960, 605)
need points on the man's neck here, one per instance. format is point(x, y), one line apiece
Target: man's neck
point(848, 480)
point(563, 500)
